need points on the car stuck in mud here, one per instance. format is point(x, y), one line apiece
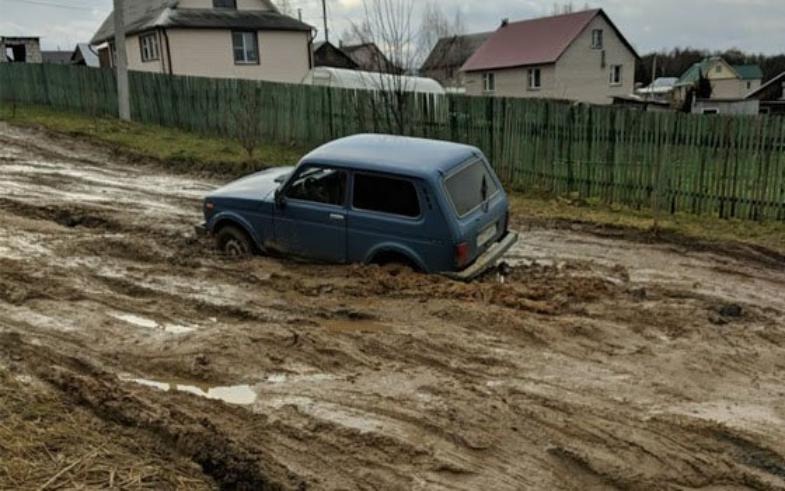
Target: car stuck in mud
point(134, 356)
point(435, 206)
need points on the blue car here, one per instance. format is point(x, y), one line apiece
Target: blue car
point(435, 206)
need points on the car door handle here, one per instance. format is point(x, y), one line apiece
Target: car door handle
point(337, 217)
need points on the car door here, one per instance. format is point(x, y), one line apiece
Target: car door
point(310, 220)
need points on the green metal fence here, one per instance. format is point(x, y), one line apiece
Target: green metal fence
point(732, 167)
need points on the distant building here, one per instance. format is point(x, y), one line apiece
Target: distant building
point(728, 107)
point(727, 81)
point(56, 57)
point(85, 56)
point(639, 103)
point(247, 39)
point(771, 96)
point(660, 90)
point(448, 56)
point(579, 56)
point(15, 49)
point(370, 58)
point(328, 55)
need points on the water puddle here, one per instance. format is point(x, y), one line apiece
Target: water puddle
point(354, 326)
point(240, 395)
point(145, 323)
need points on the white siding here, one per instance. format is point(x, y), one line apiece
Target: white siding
point(581, 75)
point(284, 55)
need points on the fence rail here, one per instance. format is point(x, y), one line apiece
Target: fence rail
point(731, 167)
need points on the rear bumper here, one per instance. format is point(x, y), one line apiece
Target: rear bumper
point(488, 260)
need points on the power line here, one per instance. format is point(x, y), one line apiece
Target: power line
point(55, 5)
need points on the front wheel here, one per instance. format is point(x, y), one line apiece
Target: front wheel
point(234, 242)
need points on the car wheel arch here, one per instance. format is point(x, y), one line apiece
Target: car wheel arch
point(222, 222)
point(387, 254)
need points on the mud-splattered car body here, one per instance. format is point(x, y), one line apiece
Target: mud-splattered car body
point(435, 205)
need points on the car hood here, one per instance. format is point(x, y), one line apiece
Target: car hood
point(257, 186)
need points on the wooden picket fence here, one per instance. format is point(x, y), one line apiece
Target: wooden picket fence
point(731, 167)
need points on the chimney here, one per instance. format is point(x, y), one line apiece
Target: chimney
point(505, 21)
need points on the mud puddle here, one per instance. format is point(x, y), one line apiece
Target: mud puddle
point(239, 395)
point(145, 323)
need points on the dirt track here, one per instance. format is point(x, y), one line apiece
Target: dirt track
point(601, 363)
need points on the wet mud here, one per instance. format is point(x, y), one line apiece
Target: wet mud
point(602, 361)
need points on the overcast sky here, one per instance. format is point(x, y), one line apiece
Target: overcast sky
point(751, 25)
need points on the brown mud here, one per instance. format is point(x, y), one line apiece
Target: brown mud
point(605, 360)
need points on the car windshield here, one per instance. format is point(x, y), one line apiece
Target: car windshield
point(470, 187)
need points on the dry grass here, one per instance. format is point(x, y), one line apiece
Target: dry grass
point(47, 443)
point(770, 235)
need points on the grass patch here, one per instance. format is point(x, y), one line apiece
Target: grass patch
point(179, 149)
point(770, 235)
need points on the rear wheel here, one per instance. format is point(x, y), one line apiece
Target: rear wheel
point(234, 242)
point(394, 262)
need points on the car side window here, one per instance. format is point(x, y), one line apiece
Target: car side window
point(319, 185)
point(386, 195)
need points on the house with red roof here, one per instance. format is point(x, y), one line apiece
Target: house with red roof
point(579, 56)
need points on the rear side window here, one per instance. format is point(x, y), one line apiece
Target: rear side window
point(386, 195)
point(470, 187)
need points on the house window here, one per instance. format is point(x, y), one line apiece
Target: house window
point(765, 110)
point(711, 111)
point(749, 85)
point(489, 82)
point(246, 48)
point(535, 79)
point(718, 68)
point(225, 4)
point(385, 195)
point(596, 39)
point(149, 46)
point(616, 74)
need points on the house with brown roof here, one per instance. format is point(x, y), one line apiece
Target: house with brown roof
point(448, 56)
point(248, 39)
point(579, 56)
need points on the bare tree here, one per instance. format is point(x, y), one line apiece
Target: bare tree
point(244, 119)
point(285, 7)
point(404, 34)
point(390, 25)
point(443, 43)
point(436, 25)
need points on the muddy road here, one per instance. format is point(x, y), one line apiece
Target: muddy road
point(132, 355)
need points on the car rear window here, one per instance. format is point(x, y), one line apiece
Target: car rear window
point(385, 195)
point(470, 187)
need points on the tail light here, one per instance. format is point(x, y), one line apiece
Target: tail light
point(462, 254)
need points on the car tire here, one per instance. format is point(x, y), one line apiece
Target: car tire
point(234, 242)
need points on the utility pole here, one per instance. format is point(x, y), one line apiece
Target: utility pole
point(121, 61)
point(324, 14)
point(654, 69)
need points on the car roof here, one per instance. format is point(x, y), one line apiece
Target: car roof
point(415, 157)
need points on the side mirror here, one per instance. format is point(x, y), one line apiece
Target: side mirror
point(280, 199)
